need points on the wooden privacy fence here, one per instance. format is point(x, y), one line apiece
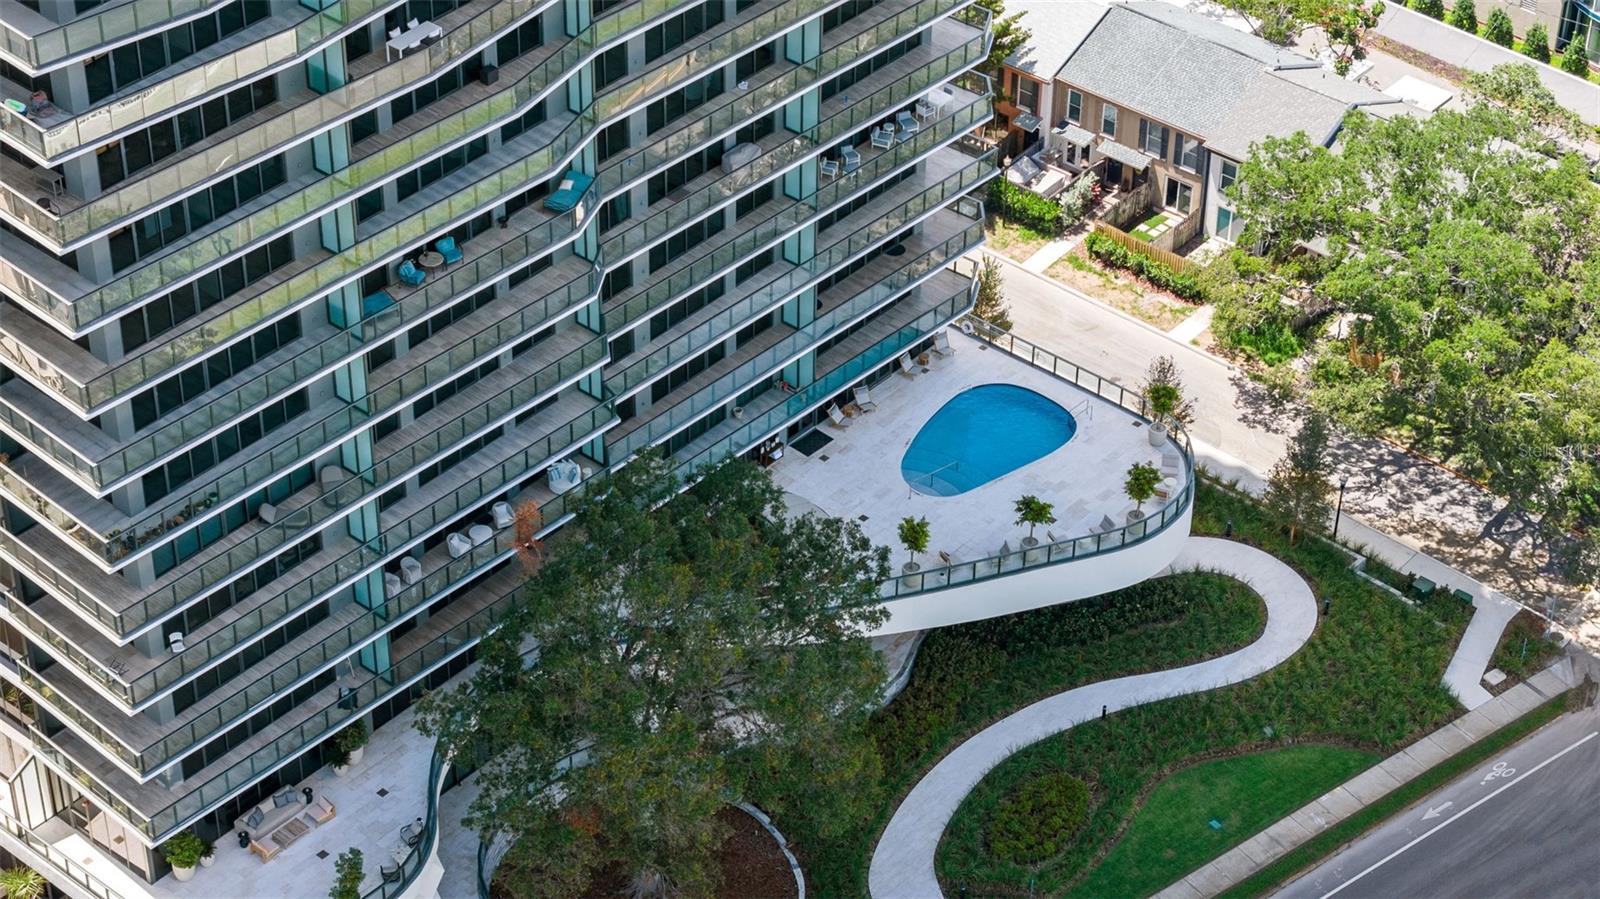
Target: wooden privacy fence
point(1165, 257)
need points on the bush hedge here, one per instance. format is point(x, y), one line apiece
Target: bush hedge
point(1432, 8)
point(1035, 823)
point(1536, 43)
point(1024, 207)
point(1110, 252)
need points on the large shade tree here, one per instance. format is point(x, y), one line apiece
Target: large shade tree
point(687, 646)
point(1465, 249)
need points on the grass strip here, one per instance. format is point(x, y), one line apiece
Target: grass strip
point(1331, 840)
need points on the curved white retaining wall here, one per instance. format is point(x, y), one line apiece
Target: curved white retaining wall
point(1035, 588)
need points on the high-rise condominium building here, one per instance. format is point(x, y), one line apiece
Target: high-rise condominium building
point(304, 301)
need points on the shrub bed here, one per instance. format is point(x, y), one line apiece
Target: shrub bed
point(1036, 822)
point(1024, 207)
point(1111, 253)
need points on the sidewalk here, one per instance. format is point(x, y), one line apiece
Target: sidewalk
point(1371, 785)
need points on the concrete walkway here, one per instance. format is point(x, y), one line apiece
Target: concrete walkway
point(1456, 47)
point(1371, 785)
point(1464, 677)
point(902, 863)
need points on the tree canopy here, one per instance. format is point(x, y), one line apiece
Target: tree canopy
point(684, 645)
point(1464, 254)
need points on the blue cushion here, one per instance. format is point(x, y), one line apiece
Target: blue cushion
point(284, 798)
point(446, 245)
point(255, 819)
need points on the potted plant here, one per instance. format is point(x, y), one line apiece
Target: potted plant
point(22, 882)
point(349, 746)
point(208, 857)
point(914, 536)
point(1141, 485)
point(347, 873)
point(1163, 394)
point(1033, 511)
point(183, 852)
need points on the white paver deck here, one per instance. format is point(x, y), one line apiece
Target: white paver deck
point(902, 863)
point(858, 475)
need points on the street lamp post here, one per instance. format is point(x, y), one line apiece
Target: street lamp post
point(1339, 509)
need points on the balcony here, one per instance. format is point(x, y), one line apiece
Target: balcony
point(990, 571)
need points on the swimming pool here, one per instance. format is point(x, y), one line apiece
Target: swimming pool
point(982, 433)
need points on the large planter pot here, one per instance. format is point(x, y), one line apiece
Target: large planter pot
point(182, 874)
point(1136, 524)
point(910, 577)
point(340, 770)
point(1157, 433)
point(356, 754)
point(207, 861)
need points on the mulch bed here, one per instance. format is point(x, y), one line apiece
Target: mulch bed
point(753, 867)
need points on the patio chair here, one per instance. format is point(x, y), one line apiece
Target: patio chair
point(394, 33)
point(907, 123)
point(839, 421)
point(458, 544)
point(925, 110)
point(410, 570)
point(410, 274)
point(502, 514)
point(907, 366)
point(447, 248)
point(480, 534)
point(941, 344)
point(829, 167)
point(864, 398)
point(851, 159)
point(882, 139)
point(411, 24)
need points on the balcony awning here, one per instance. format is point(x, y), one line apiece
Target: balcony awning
point(1072, 134)
point(1028, 122)
point(1128, 156)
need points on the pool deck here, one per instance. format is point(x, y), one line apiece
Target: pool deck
point(858, 475)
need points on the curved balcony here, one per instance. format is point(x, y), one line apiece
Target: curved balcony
point(49, 45)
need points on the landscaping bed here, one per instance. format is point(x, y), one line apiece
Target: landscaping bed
point(1523, 651)
point(1369, 680)
point(1012, 240)
point(1122, 292)
point(968, 676)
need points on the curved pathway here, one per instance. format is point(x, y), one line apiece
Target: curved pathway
point(902, 863)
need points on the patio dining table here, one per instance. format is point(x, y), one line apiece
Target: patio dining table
point(411, 39)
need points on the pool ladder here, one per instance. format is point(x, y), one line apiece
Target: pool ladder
point(912, 491)
point(1085, 408)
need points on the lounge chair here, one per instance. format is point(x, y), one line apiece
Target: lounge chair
point(458, 544)
point(839, 421)
point(851, 159)
point(864, 398)
point(1051, 536)
point(946, 558)
point(941, 344)
point(925, 110)
point(410, 570)
point(447, 248)
point(829, 167)
point(394, 33)
point(907, 124)
point(410, 274)
point(882, 139)
point(502, 514)
point(907, 366)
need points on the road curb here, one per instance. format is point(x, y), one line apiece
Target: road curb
point(1239, 863)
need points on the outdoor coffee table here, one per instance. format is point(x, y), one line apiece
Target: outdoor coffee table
point(431, 260)
point(292, 830)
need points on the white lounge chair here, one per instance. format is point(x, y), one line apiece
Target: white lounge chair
point(839, 420)
point(864, 398)
point(410, 570)
point(458, 545)
point(502, 514)
point(392, 585)
point(907, 366)
point(941, 344)
point(882, 139)
point(829, 167)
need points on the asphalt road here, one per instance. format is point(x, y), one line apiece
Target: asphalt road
point(1526, 824)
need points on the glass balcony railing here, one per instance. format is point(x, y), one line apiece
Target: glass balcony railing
point(1071, 548)
point(198, 505)
point(338, 348)
point(98, 28)
point(825, 387)
point(791, 280)
point(310, 116)
point(741, 378)
point(226, 326)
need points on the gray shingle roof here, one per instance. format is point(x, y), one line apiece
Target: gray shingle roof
point(1229, 88)
point(1057, 26)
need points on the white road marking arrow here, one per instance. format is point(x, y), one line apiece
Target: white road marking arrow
point(1436, 811)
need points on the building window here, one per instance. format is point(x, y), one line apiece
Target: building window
point(1230, 174)
point(1187, 154)
point(1179, 195)
point(1028, 94)
point(1108, 120)
point(1153, 138)
point(1224, 221)
point(1075, 107)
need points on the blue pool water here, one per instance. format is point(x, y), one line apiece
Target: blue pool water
point(982, 433)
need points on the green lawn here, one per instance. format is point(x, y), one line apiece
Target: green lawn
point(1172, 834)
point(1146, 230)
point(1369, 678)
point(971, 675)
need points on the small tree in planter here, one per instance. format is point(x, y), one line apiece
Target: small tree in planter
point(1163, 391)
point(350, 744)
point(1141, 485)
point(1033, 511)
point(914, 536)
point(991, 303)
point(208, 857)
point(183, 852)
point(347, 873)
point(22, 882)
